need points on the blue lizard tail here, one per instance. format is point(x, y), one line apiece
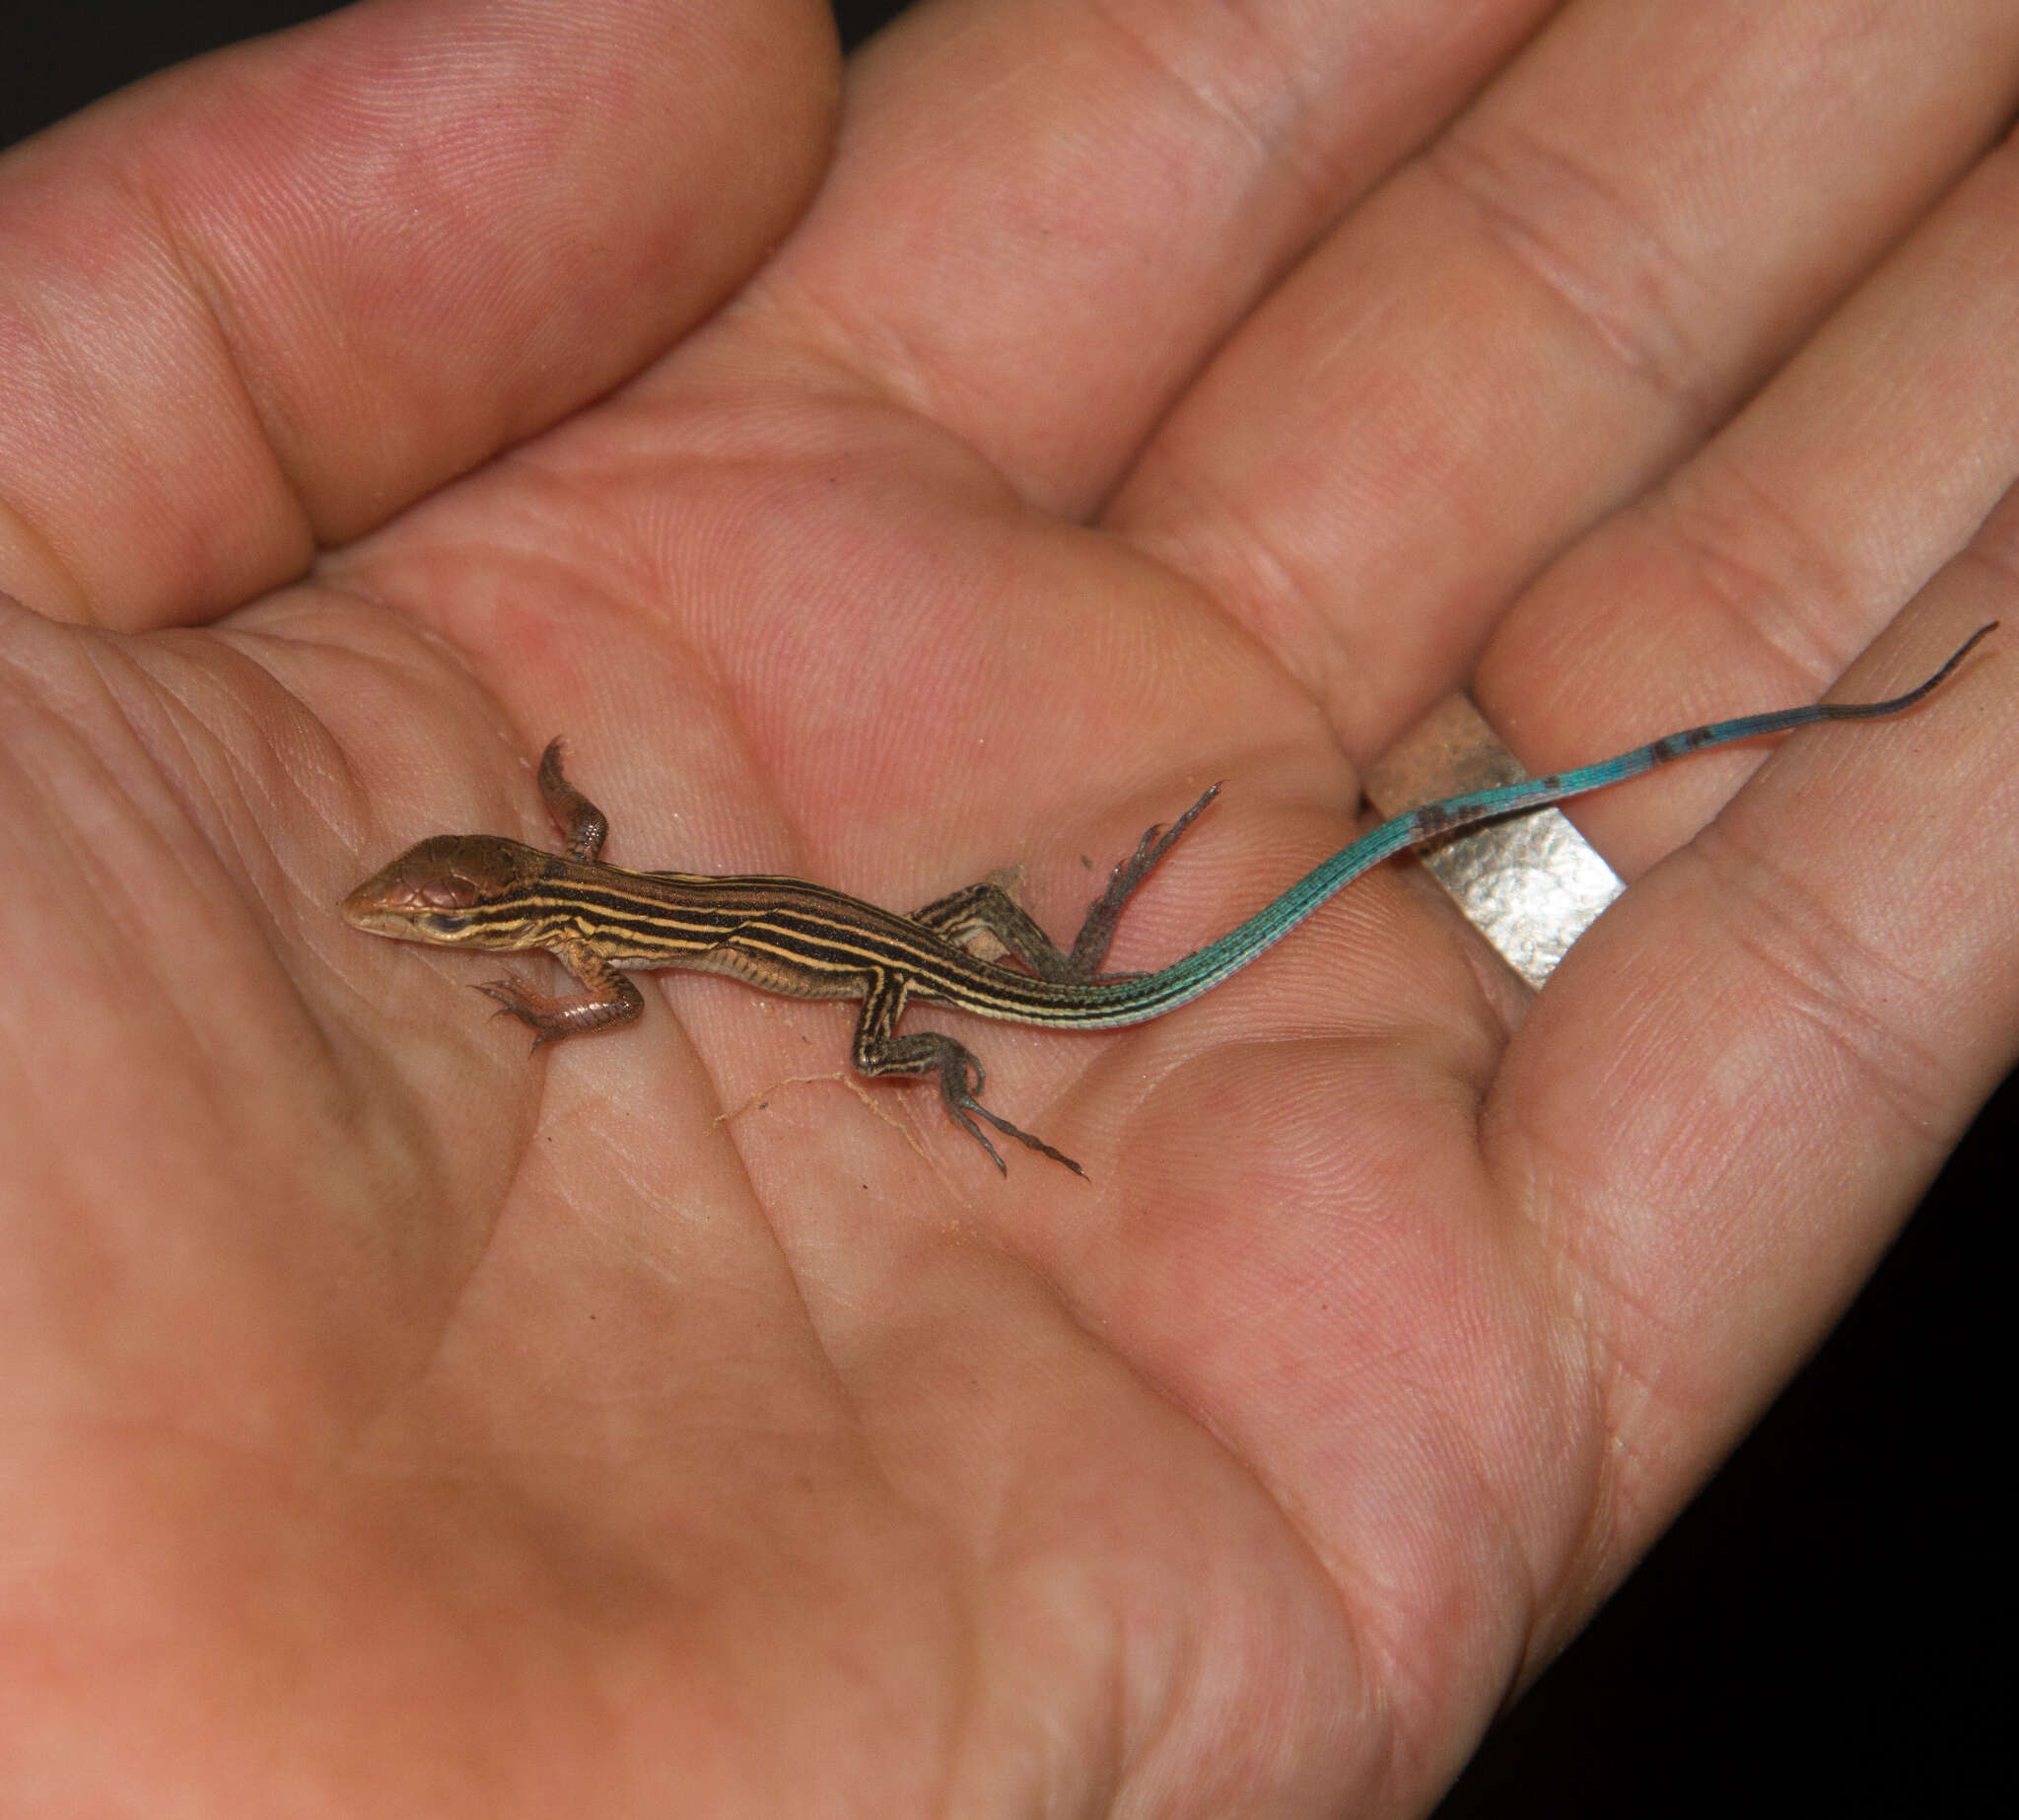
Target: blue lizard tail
point(1112, 1004)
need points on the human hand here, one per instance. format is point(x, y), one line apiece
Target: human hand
point(390, 1403)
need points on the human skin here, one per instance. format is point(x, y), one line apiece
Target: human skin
point(1147, 397)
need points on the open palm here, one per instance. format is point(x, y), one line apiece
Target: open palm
point(1129, 399)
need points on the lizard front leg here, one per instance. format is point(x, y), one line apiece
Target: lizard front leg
point(610, 999)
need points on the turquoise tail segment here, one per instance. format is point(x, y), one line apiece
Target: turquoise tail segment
point(1153, 994)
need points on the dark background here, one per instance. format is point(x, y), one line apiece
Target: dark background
point(1824, 1630)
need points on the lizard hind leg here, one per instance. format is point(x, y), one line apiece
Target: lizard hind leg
point(961, 1079)
point(929, 1052)
point(988, 909)
point(1097, 932)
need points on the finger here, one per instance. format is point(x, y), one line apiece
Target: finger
point(269, 299)
point(1822, 990)
point(1043, 216)
point(1525, 328)
point(1754, 575)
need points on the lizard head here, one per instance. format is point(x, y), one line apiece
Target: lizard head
point(470, 890)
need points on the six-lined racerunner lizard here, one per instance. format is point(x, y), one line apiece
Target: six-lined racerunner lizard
point(806, 942)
